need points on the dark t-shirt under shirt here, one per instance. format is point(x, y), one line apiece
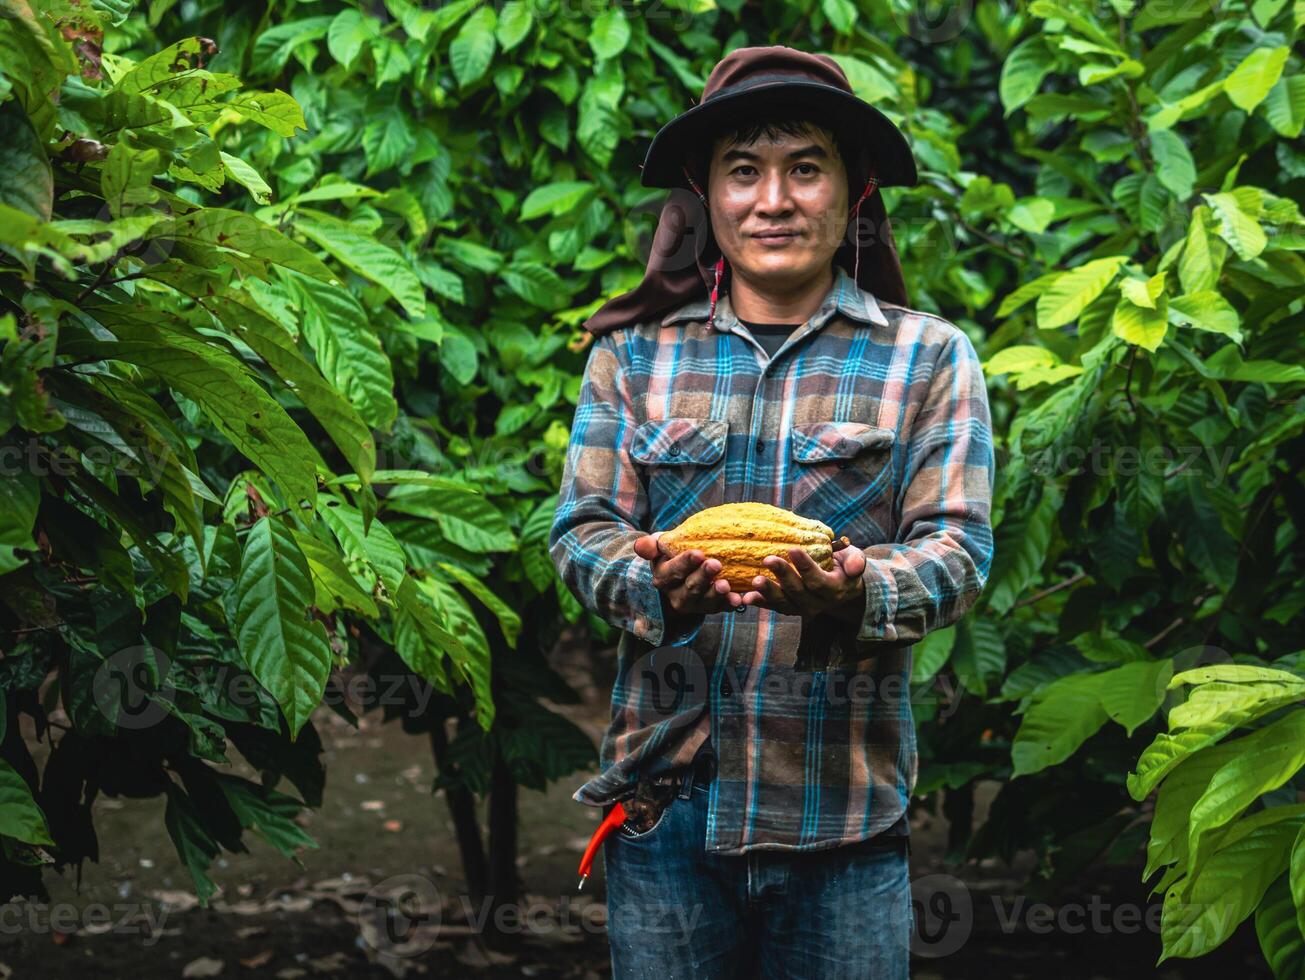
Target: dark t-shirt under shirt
point(770, 335)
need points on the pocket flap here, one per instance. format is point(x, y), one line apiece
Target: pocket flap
point(813, 442)
point(679, 441)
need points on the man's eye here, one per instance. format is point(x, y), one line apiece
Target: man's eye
point(744, 166)
point(812, 168)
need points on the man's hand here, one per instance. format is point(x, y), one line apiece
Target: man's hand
point(806, 589)
point(685, 580)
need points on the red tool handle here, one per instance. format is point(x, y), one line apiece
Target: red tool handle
point(610, 823)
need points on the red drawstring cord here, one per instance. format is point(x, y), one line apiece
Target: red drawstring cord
point(610, 823)
point(720, 262)
point(871, 184)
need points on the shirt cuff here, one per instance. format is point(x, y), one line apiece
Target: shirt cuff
point(648, 620)
point(880, 602)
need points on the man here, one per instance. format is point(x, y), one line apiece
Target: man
point(764, 358)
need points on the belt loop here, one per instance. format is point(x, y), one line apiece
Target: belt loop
point(686, 782)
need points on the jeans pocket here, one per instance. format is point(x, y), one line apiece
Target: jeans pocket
point(662, 796)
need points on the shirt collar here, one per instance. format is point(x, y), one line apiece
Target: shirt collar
point(844, 297)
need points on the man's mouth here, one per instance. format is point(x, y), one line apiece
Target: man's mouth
point(772, 237)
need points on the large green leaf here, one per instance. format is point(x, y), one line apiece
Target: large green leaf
point(20, 817)
point(1222, 892)
point(283, 646)
point(1070, 293)
point(236, 405)
point(1281, 938)
point(367, 257)
point(349, 353)
point(1268, 759)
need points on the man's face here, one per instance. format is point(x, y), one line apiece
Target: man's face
point(794, 185)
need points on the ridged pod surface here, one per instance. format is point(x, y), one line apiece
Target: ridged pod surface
point(740, 535)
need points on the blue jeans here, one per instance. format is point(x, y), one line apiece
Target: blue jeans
point(676, 912)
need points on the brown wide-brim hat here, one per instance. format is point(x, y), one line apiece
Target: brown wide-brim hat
point(686, 263)
point(779, 78)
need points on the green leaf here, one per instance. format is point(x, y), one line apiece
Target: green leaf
point(334, 585)
point(249, 178)
point(537, 284)
point(1227, 888)
point(26, 181)
point(387, 139)
point(555, 199)
point(930, 654)
point(1236, 227)
point(367, 257)
point(127, 179)
point(841, 15)
point(274, 110)
point(1206, 311)
point(20, 497)
point(1139, 325)
point(220, 229)
point(1198, 269)
point(1268, 759)
point(350, 32)
point(283, 646)
point(333, 407)
point(1023, 71)
point(1132, 694)
point(1070, 292)
point(609, 33)
point(508, 619)
point(190, 836)
point(241, 410)
point(1174, 164)
point(349, 353)
point(1023, 540)
point(468, 520)
point(514, 22)
point(372, 554)
point(1063, 715)
point(1251, 81)
point(1282, 939)
point(20, 817)
point(1284, 106)
point(472, 50)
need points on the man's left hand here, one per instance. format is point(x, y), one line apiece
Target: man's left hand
point(806, 589)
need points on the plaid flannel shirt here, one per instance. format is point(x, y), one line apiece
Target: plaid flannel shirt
point(871, 417)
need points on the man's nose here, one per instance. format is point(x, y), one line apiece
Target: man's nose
point(773, 194)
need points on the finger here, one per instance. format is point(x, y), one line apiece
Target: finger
point(670, 572)
point(813, 577)
point(645, 546)
point(851, 560)
point(732, 599)
point(766, 592)
point(790, 582)
point(698, 582)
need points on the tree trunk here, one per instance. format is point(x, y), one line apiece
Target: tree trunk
point(462, 807)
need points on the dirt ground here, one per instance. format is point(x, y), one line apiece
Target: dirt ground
point(382, 835)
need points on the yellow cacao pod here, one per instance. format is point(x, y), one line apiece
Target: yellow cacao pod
point(740, 535)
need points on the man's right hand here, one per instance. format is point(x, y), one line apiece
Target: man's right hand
point(686, 580)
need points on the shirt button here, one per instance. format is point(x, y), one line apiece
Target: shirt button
point(761, 445)
point(675, 449)
point(726, 689)
point(844, 463)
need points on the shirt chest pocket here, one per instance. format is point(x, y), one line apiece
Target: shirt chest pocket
point(842, 475)
point(682, 463)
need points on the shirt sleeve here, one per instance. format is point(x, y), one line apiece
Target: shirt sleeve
point(937, 569)
point(602, 508)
